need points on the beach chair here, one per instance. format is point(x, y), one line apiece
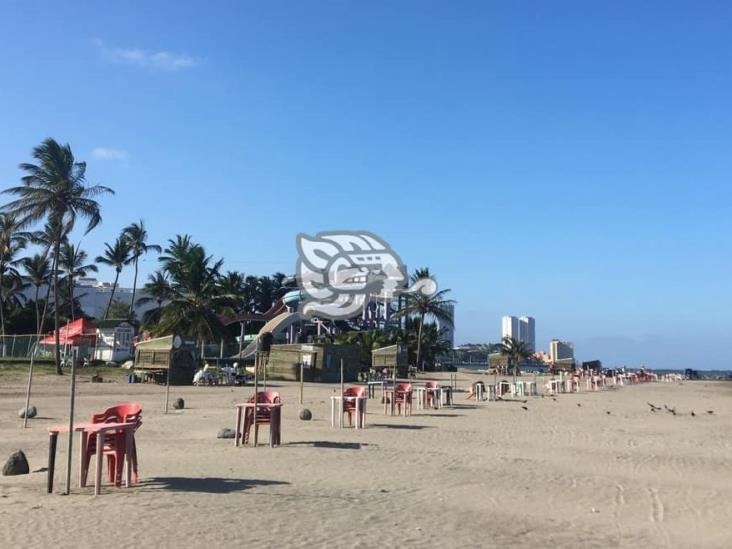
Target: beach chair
point(115, 444)
point(265, 416)
point(349, 406)
point(403, 397)
point(432, 394)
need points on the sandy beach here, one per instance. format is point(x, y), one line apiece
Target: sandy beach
point(563, 473)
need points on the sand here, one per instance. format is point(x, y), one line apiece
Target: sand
point(491, 475)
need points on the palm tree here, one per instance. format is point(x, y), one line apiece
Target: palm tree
point(516, 351)
point(196, 304)
point(12, 241)
point(117, 256)
point(136, 236)
point(175, 254)
point(44, 239)
point(233, 283)
point(157, 289)
point(420, 306)
point(73, 262)
point(38, 272)
point(55, 189)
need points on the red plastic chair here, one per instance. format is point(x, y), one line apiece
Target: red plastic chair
point(264, 416)
point(403, 396)
point(349, 406)
point(115, 444)
point(431, 394)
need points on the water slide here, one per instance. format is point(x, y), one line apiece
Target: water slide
point(277, 319)
point(279, 323)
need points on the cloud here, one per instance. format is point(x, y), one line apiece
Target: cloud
point(110, 154)
point(162, 60)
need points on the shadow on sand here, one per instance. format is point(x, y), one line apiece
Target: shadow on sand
point(401, 426)
point(440, 415)
point(329, 444)
point(210, 485)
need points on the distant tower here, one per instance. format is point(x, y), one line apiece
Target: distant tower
point(527, 332)
point(520, 328)
point(510, 327)
point(560, 350)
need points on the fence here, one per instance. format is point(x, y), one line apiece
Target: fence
point(21, 346)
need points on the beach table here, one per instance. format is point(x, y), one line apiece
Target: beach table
point(555, 386)
point(422, 393)
point(337, 410)
point(91, 429)
point(389, 393)
point(446, 395)
point(373, 384)
point(503, 387)
point(275, 426)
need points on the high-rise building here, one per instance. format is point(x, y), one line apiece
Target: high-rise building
point(559, 350)
point(521, 328)
point(510, 327)
point(527, 331)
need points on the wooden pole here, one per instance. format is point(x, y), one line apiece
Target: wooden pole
point(241, 339)
point(256, 391)
point(167, 379)
point(69, 449)
point(264, 371)
point(340, 422)
point(393, 388)
point(302, 379)
point(28, 389)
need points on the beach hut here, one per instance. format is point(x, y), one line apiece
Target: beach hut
point(320, 362)
point(154, 358)
point(80, 335)
point(114, 340)
point(393, 356)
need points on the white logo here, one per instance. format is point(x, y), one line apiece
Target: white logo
point(340, 271)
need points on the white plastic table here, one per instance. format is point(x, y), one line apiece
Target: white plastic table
point(336, 409)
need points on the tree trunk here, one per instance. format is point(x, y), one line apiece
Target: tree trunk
point(515, 369)
point(134, 287)
point(38, 312)
point(111, 297)
point(2, 308)
point(48, 298)
point(419, 340)
point(71, 296)
point(57, 353)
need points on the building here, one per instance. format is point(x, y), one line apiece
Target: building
point(521, 328)
point(527, 331)
point(510, 327)
point(94, 297)
point(560, 350)
point(114, 340)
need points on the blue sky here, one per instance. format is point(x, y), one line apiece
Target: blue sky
point(566, 160)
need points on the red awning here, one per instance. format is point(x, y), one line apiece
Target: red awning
point(78, 333)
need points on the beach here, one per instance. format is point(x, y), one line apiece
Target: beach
point(592, 469)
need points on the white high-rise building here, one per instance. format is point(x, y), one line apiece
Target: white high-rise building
point(510, 327)
point(527, 331)
point(521, 328)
